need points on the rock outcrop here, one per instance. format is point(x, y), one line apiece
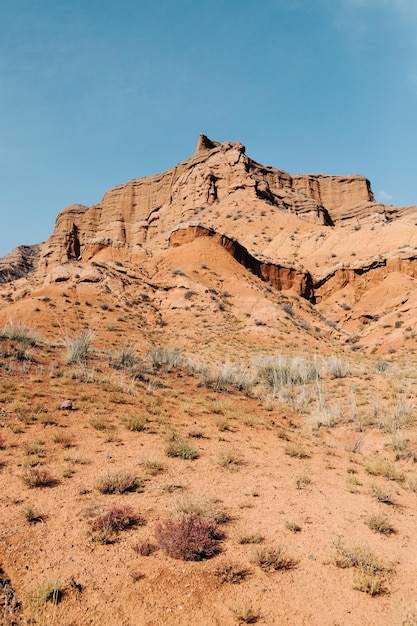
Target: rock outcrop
point(282, 276)
point(20, 262)
point(145, 210)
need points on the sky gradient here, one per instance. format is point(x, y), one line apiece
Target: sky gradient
point(94, 93)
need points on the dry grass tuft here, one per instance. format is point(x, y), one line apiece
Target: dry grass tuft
point(38, 477)
point(273, 558)
point(370, 574)
point(379, 523)
point(119, 481)
point(246, 615)
point(203, 506)
point(230, 572)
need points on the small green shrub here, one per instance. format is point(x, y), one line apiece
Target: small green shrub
point(178, 447)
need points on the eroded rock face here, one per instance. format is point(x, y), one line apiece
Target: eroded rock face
point(142, 210)
point(219, 182)
point(280, 275)
point(22, 261)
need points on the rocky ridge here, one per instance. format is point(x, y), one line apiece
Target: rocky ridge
point(321, 237)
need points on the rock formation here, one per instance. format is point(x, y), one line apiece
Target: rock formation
point(218, 176)
point(22, 261)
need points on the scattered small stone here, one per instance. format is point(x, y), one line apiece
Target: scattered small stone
point(67, 404)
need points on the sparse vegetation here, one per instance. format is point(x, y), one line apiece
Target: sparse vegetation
point(246, 615)
point(370, 574)
point(229, 458)
point(189, 537)
point(296, 450)
point(50, 591)
point(379, 523)
point(382, 493)
point(203, 506)
point(118, 481)
point(178, 447)
point(77, 347)
point(38, 477)
point(105, 522)
point(385, 468)
point(230, 572)
point(273, 558)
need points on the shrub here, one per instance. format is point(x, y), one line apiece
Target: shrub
point(38, 477)
point(21, 333)
point(229, 459)
point(166, 357)
point(296, 451)
point(144, 548)
point(99, 422)
point(178, 447)
point(379, 523)
point(370, 572)
point(278, 372)
point(203, 506)
point(382, 494)
point(189, 537)
point(62, 439)
point(287, 307)
point(337, 367)
point(123, 358)
point(105, 522)
point(77, 347)
point(372, 583)
point(135, 423)
point(273, 558)
point(50, 591)
point(223, 424)
point(229, 572)
point(246, 615)
point(385, 468)
point(153, 467)
point(252, 538)
point(119, 481)
point(31, 515)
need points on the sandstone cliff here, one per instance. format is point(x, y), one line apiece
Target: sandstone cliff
point(219, 177)
point(20, 262)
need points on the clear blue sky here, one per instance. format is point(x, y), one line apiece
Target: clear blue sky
point(96, 92)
